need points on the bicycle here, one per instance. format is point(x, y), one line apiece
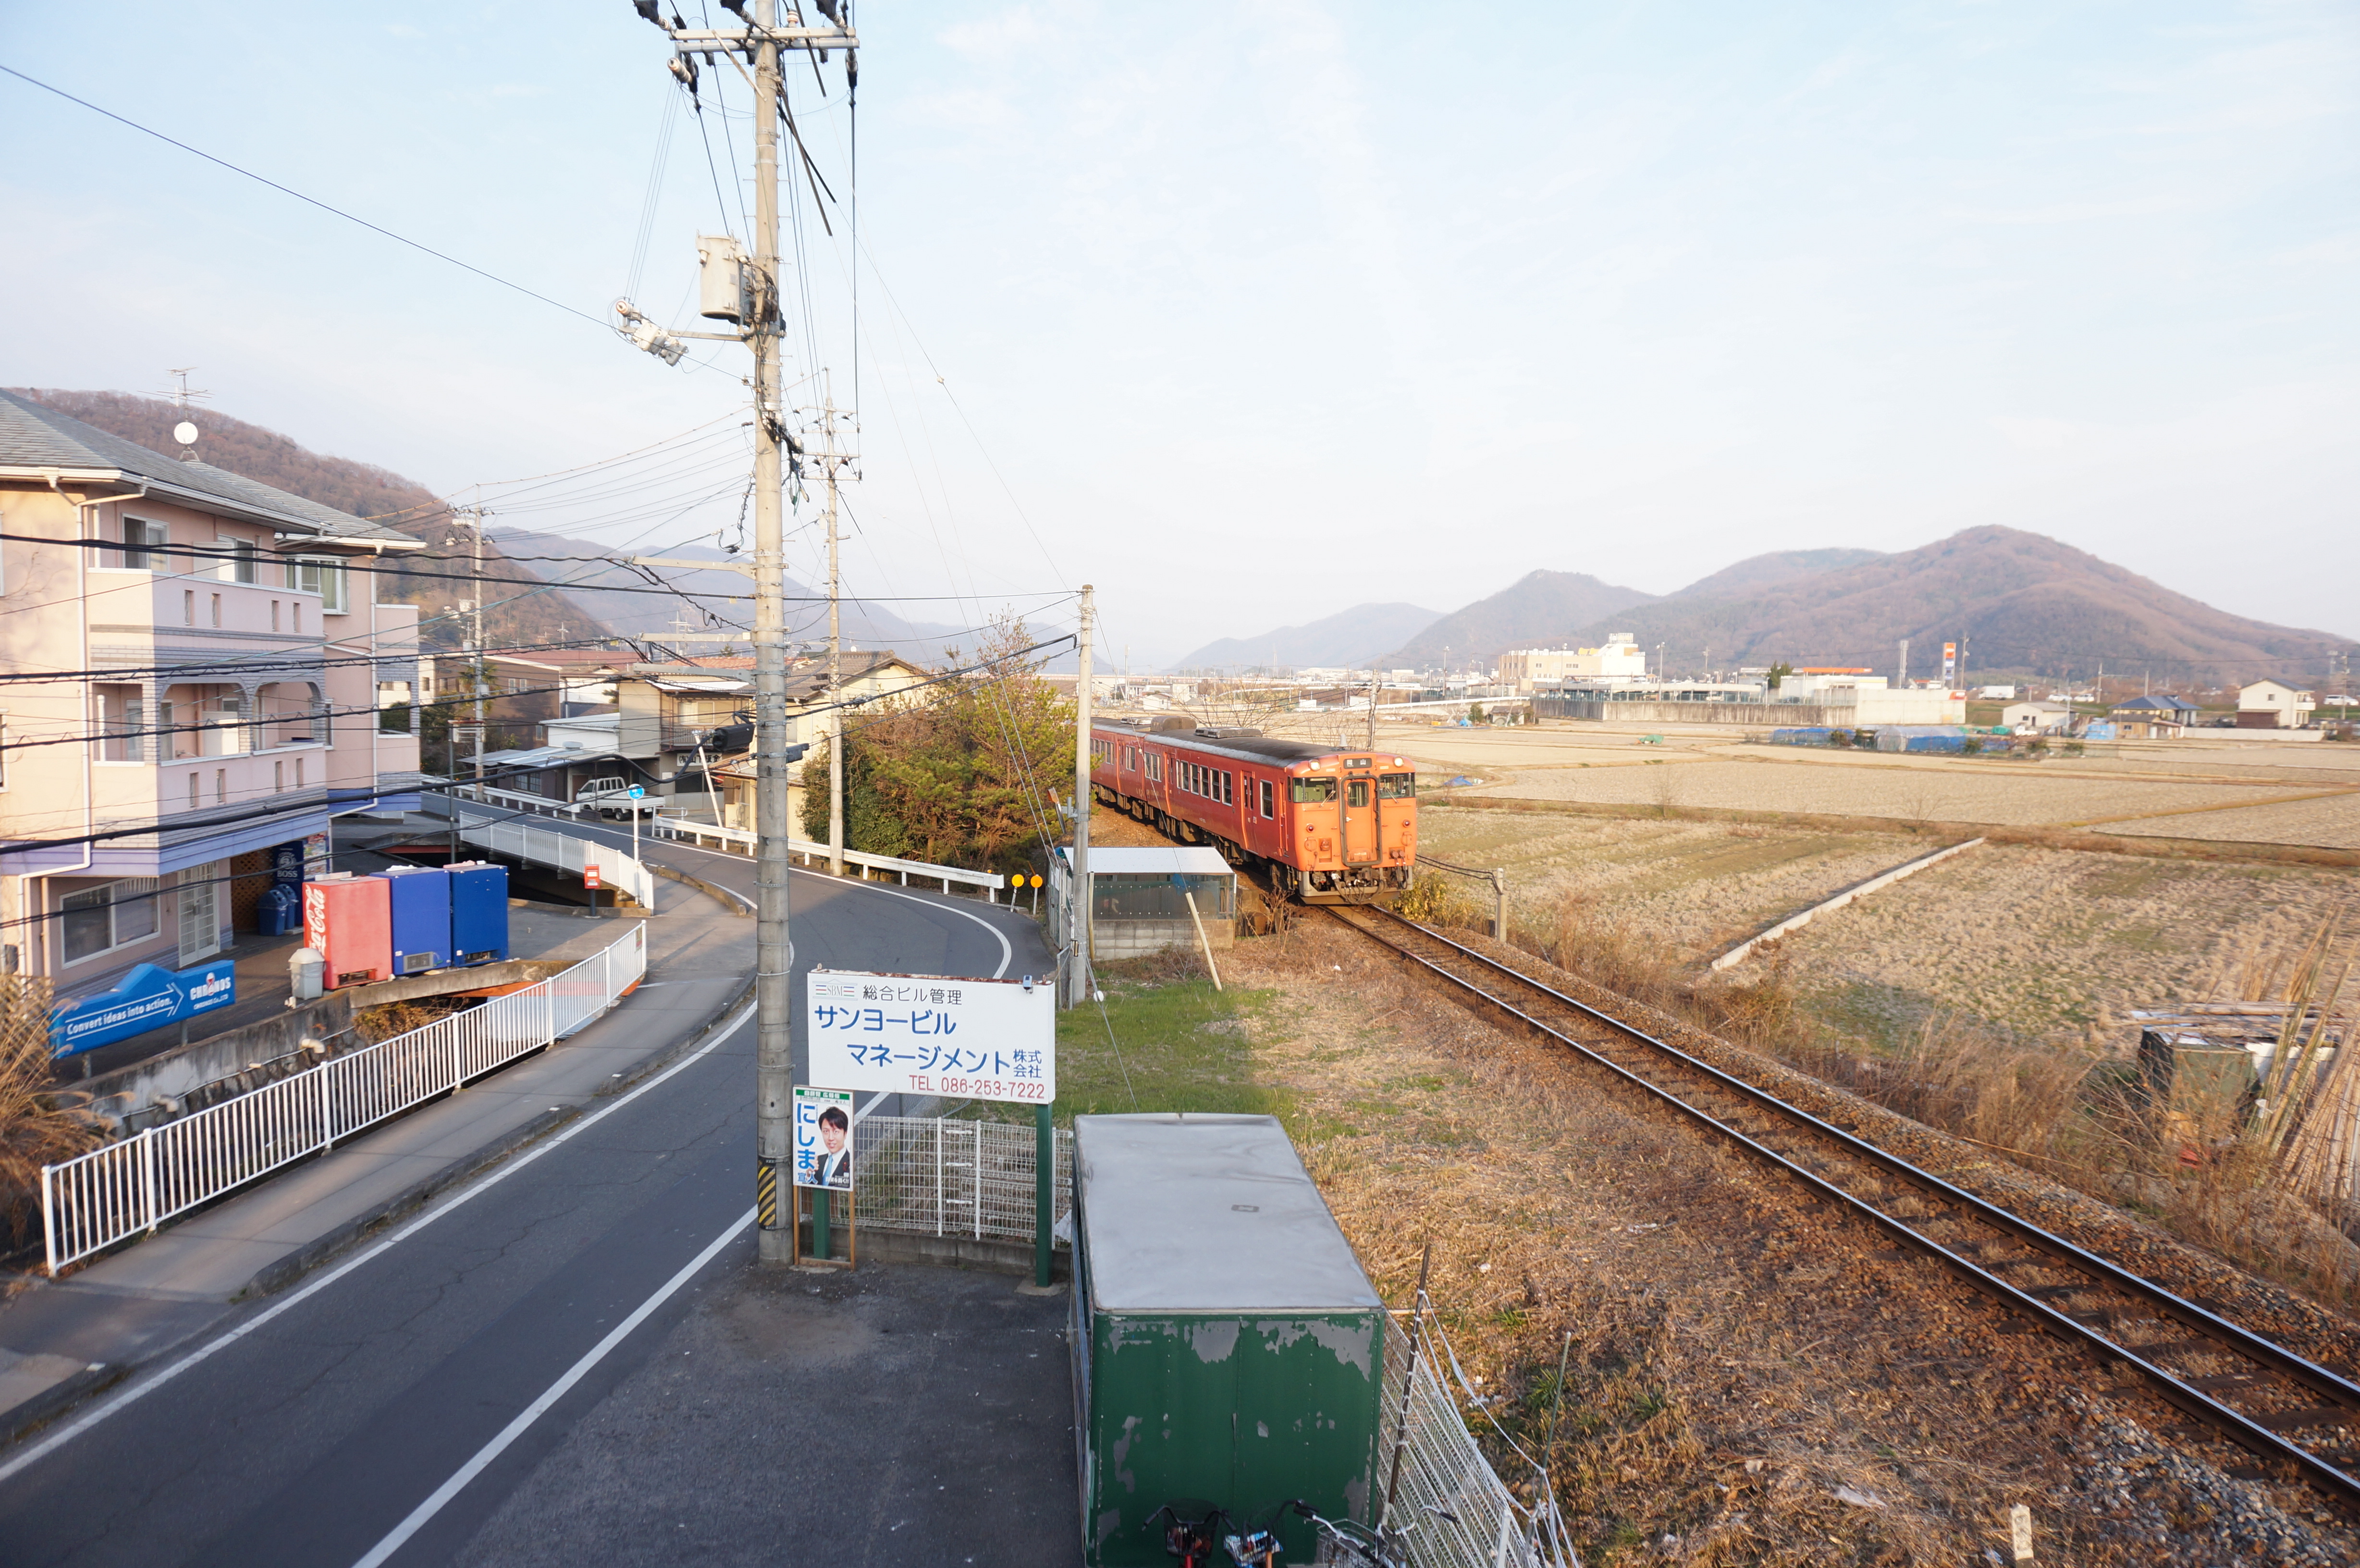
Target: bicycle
point(1346, 1544)
point(1195, 1531)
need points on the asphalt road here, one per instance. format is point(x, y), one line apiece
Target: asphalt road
point(515, 1375)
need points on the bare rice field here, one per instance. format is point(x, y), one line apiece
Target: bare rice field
point(2043, 943)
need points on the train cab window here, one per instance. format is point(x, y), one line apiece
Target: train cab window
point(1312, 791)
point(1396, 786)
point(1266, 802)
point(1359, 793)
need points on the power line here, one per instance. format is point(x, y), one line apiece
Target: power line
point(311, 200)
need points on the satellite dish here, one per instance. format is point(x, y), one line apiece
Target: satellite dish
point(185, 433)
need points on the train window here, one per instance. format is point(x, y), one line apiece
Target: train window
point(1359, 793)
point(1396, 786)
point(1155, 766)
point(1266, 802)
point(1229, 788)
point(1311, 791)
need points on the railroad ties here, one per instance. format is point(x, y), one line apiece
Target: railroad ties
point(2298, 1419)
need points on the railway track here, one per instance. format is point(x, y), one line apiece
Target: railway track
point(2296, 1417)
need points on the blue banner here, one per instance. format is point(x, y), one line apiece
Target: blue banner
point(147, 999)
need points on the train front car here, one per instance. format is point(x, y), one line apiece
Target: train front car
point(1331, 825)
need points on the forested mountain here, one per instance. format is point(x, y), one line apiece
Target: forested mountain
point(1346, 637)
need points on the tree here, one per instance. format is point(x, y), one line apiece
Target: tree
point(963, 774)
point(1779, 673)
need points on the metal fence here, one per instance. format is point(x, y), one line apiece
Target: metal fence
point(936, 1176)
point(504, 833)
point(129, 1188)
point(1458, 1512)
point(741, 841)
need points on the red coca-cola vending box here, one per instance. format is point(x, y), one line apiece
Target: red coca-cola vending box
point(349, 919)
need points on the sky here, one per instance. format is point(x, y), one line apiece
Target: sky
point(1249, 313)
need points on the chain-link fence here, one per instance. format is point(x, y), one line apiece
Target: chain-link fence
point(937, 1176)
point(1455, 1508)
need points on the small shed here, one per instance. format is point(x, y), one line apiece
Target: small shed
point(1227, 1346)
point(1139, 899)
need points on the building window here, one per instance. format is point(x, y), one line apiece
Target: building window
point(121, 716)
point(216, 609)
point(327, 579)
point(187, 606)
point(238, 565)
point(296, 606)
point(136, 534)
point(99, 920)
point(298, 773)
point(278, 777)
point(274, 615)
point(220, 786)
point(196, 796)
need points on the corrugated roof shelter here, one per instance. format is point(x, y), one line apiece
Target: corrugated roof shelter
point(1227, 1344)
point(1139, 899)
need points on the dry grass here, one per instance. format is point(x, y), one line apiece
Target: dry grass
point(1736, 1357)
point(40, 1125)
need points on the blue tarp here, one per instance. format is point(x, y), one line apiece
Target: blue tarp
point(147, 999)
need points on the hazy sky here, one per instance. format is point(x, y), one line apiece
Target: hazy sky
point(1249, 313)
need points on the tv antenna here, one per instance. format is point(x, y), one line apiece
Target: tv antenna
point(185, 432)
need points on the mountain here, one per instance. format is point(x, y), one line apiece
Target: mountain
point(714, 600)
point(1541, 607)
point(1345, 639)
point(362, 489)
point(1756, 572)
point(2026, 604)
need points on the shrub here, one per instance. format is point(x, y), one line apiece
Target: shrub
point(1840, 737)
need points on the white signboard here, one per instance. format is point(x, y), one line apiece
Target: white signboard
point(823, 1138)
point(933, 1034)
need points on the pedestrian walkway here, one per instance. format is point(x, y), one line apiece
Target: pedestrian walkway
point(59, 1337)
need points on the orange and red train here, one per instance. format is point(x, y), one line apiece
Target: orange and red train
point(1333, 824)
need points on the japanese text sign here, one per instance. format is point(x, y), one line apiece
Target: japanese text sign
point(931, 1034)
point(823, 1138)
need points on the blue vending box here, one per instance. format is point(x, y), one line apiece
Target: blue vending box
point(479, 911)
point(421, 897)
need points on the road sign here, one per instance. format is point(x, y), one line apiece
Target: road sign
point(590, 878)
point(823, 1138)
point(637, 793)
point(934, 1034)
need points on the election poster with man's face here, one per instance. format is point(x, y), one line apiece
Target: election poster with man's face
point(823, 1138)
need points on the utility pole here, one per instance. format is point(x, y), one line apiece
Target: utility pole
point(1372, 708)
point(1902, 679)
point(745, 291)
point(1079, 942)
point(774, 1062)
point(835, 657)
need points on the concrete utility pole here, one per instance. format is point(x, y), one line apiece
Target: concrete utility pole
point(752, 302)
point(1080, 942)
point(773, 1047)
point(1372, 710)
point(834, 659)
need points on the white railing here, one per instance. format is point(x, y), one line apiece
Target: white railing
point(129, 1188)
point(503, 834)
point(937, 1176)
point(539, 805)
point(742, 842)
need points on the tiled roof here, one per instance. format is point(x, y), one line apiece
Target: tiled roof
point(34, 436)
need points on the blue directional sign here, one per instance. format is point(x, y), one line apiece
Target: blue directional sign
point(638, 794)
point(147, 999)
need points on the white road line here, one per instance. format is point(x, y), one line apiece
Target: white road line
point(442, 1495)
point(1007, 954)
point(140, 1390)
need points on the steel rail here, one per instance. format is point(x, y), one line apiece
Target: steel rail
point(2256, 1438)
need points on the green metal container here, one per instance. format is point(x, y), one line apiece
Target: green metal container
point(1227, 1344)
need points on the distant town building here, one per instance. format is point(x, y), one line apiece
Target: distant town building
point(2152, 718)
point(1524, 671)
point(2042, 718)
point(2272, 705)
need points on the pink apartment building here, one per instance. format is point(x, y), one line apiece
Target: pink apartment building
point(191, 667)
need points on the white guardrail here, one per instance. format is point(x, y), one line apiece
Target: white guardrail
point(490, 827)
point(742, 842)
point(125, 1188)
